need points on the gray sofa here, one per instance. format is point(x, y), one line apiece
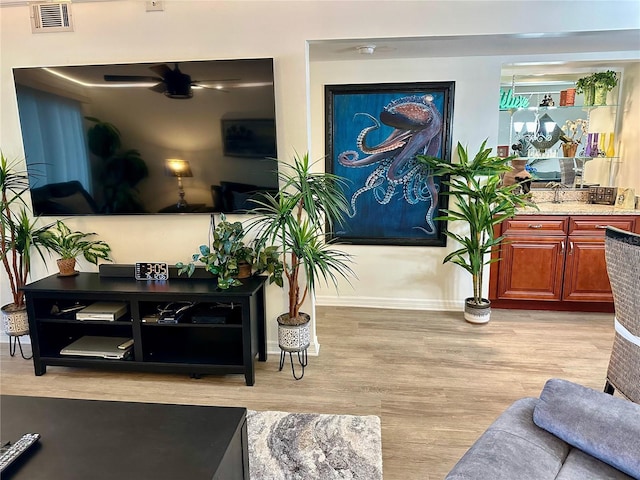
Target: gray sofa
point(570, 433)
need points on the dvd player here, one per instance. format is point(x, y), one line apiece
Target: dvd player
point(105, 311)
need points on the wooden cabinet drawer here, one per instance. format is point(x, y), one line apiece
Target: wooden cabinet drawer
point(535, 224)
point(592, 224)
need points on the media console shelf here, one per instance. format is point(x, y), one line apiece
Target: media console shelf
point(186, 347)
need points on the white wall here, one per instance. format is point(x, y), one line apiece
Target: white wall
point(628, 171)
point(121, 31)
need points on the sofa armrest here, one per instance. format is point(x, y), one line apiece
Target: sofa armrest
point(606, 427)
point(513, 447)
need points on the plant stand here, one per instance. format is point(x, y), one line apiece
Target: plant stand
point(294, 339)
point(302, 360)
point(13, 340)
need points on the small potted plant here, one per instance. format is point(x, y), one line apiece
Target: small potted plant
point(573, 131)
point(482, 202)
point(587, 85)
point(229, 258)
point(293, 221)
point(69, 244)
point(604, 82)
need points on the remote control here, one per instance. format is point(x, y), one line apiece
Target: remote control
point(125, 345)
point(10, 452)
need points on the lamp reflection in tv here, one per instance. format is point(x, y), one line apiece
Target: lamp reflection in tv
point(175, 167)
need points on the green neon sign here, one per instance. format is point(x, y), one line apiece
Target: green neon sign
point(509, 100)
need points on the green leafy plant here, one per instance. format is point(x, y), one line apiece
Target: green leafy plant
point(20, 234)
point(482, 202)
point(585, 83)
point(293, 220)
point(227, 251)
point(122, 170)
point(607, 80)
point(59, 238)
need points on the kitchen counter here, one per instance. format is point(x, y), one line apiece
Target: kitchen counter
point(575, 208)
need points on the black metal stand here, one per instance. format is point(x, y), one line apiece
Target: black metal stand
point(302, 360)
point(13, 339)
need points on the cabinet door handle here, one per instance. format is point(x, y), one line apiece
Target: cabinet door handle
point(601, 227)
point(562, 247)
point(570, 248)
point(535, 226)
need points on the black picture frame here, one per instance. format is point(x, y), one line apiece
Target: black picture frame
point(249, 138)
point(373, 133)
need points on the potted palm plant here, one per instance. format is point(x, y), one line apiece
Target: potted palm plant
point(59, 238)
point(483, 202)
point(20, 236)
point(293, 221)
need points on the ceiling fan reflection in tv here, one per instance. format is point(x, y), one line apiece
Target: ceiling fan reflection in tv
point(171, 82)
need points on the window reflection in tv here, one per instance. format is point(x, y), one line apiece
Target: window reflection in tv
point(98, 138)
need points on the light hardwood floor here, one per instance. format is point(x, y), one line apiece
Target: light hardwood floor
point(435, 381)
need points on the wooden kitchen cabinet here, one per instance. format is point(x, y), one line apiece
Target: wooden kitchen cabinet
point(554, 261)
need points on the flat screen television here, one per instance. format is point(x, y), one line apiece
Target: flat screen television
point(148, 138)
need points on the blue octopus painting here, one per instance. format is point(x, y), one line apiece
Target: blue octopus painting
point(385, 149)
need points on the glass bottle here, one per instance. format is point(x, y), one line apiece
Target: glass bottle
point(610, 149)
point(587, 147)
point(594, 146)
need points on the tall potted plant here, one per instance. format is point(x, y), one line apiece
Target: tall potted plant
point(19, 237)
point(482, 202)
point(294, 221)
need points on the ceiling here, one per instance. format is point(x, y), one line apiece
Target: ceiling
point(477, 45)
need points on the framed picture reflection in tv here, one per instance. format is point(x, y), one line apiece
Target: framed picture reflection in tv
point(249, 138)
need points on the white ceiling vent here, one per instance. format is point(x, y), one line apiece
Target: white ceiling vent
point(51, 17)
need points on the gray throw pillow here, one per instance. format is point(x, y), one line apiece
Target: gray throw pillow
point(605, 427)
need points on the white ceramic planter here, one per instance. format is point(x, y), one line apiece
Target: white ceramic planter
point(477, 313)
point(294, 338)
point(14, 322)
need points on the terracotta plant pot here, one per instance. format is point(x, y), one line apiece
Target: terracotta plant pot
point(244, 270)
point(67, 266)
point(569, 149)
point(517, 173)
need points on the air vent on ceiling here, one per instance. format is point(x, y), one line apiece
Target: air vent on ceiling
point(51, 17)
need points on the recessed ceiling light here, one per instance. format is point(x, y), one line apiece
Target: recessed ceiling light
point(366, 49)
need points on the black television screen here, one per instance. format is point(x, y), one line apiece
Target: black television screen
point(144, 138)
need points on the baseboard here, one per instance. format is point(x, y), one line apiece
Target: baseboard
point(392, 303)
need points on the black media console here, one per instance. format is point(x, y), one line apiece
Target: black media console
point(224, 342)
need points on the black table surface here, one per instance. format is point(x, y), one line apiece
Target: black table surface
point(95, 440)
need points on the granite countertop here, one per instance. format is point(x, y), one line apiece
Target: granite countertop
point(574, 202)
point(576, 208)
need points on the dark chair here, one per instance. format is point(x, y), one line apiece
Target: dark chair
point(64, 198)
point(622, 250)
point(237, 197)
